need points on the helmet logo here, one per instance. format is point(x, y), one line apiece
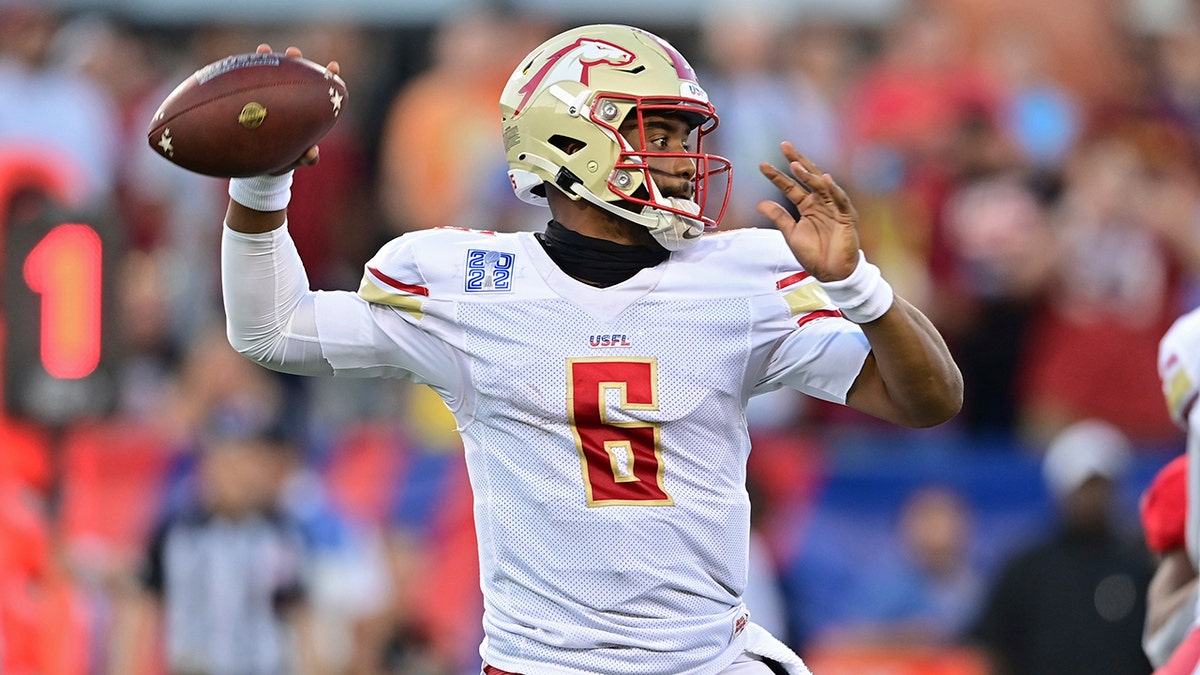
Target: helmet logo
point(571, 63)
point(683, 69)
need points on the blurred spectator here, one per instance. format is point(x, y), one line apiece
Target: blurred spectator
point(764, 595)
point(761, 102)
point(440, 155)
point(345, 568)
point(432, 546)
point(121, 64)
point(1088, 43)
point(1037, 111)
point(151, 356)
point(929, 593)
point(51, 110)
point(1126, 236)
point(170, 211)
point(997, 228)
point(921, 117)
point(212, 377)
point(225, 575)
point(914, 100)
point(1175, 71)
point(1073, 603)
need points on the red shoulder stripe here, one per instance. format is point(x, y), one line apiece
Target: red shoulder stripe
point(793, 279)
point(399, 285)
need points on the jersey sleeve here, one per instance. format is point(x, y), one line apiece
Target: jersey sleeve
point(823, 353)
point(274, 319)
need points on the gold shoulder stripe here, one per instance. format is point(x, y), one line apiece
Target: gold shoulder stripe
point(806, 298)
point(1178, 389)
point(371, 293)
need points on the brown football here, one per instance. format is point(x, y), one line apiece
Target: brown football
point(247, 115)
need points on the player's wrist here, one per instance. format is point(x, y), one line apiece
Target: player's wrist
point(863, 296)
point(262, 193)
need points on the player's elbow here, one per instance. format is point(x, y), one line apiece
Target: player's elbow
point(941, 403)
point(259, 348)
point(936, 416)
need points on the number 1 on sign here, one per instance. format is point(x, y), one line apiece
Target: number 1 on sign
point(65, 270)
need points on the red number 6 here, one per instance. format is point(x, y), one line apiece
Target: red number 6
point(621, 461)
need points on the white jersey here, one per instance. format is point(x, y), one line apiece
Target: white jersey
point(604, 428)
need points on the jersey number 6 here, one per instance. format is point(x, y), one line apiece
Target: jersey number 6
point(621, 461)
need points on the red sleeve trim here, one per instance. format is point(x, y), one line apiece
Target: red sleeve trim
point(818, 314)
point(791, 280)
point(399, 285)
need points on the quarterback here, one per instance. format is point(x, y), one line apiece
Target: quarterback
point(599, 371)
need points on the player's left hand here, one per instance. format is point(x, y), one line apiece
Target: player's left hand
point(825, 238)
point(313, 154)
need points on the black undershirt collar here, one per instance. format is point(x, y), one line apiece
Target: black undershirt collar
point(598, 262)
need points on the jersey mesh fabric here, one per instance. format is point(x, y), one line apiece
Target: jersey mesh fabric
point(650, 583)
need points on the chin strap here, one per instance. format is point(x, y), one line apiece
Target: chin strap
point(673, 231)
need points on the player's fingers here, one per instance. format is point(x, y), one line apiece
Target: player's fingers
point(310, 157)
point(263, 48)
point(793, 155)
point(806, 177)
point(808, 163)
point(334, 68)
point(792, 188)
point(293, 51)
point(840, 198)
point(776, 214)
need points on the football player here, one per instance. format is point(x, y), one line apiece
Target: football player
point(599, 371)
point(1171, 511)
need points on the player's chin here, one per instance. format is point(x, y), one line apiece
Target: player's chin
point(683, 191)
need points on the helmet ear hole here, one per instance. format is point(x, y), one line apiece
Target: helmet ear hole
point(567, 144)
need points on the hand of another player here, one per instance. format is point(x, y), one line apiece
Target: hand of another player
point(313, 154)
point(825, 238)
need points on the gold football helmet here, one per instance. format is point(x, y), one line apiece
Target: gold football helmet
point(561, 113)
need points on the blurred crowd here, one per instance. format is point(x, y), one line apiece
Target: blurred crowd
point(1026, 172)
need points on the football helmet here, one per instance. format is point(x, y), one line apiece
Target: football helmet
point(562, 110)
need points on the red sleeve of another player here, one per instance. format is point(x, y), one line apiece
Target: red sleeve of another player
point(1164, 507)
point(1184, 659)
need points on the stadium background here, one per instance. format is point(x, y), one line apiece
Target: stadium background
point(1026, 173)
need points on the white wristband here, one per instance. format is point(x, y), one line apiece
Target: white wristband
point(262, 193)
point(864, 295)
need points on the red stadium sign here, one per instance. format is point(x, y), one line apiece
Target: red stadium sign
point(54, 324)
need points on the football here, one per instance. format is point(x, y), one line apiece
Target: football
point(247, 115)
